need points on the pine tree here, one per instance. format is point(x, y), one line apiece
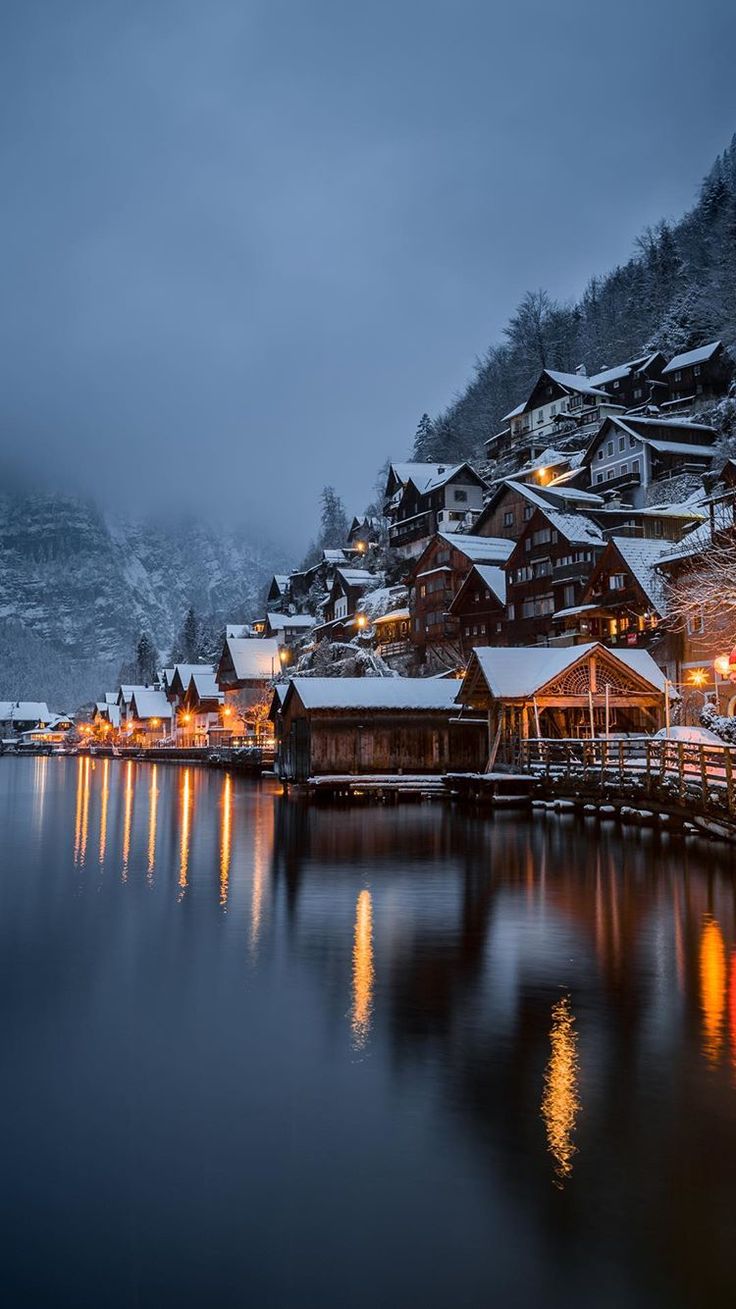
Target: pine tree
point(334, 524)
point(146, 660)
point(423, 439)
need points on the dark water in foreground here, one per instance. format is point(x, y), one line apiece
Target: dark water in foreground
point(261, 1055)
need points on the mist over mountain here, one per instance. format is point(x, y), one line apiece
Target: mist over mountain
point(78, 583)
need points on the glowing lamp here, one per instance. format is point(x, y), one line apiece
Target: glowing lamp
point(361, 620)
point(697, 677)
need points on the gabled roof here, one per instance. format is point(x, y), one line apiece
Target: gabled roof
point(490, 576)
point(480, 549)
point(111, 697)
point(692, 544)
point(24, 711)
point(358, 577)
point(576, 528)
point(650, 431)
point(519, 672)
point(392, 693)
point(623, 370)
point(577, 382)
point(281, 621)
point(690, 357)
point(254, 658)
point(148, 703)
point(204, 686)
point(641, 558)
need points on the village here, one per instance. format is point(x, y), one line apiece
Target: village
point(552, 593)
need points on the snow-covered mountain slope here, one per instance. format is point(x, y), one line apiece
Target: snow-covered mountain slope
point(82, 583)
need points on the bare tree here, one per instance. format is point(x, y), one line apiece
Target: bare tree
point(704, 593)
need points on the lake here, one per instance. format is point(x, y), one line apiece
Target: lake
point(257, 1053)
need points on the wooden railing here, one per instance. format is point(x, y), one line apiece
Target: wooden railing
point(672, 773)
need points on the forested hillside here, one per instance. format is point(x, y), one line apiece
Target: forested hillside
point(677, 290)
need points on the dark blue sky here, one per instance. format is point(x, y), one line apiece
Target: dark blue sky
point(245, 245)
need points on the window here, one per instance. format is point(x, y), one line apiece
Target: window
point(542, 536)
point(543, 568)
point(511, 612)
point(616, 385)
point(677, 376)
point(623, 469)
point(632, 441)
point(600, 453)
point(508, 518)
point(610, 474)
point(599, 477)
point(697, 370)
point(635, 467)
point(696, 624)
point(539, 606)
point(617, 581)
point(422, 591)
point(658, 528)
point(568, 596)
point(461, 496)
point(528, 511)
point(622, 443)
point(552, 410)
point(499, 627)
point(637, 396)
point(609, 448)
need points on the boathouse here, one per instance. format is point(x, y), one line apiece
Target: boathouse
point(572, 691)
point(376, 725)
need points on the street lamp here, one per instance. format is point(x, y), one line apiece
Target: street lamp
point(725, 665)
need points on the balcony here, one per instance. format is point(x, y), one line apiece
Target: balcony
point(406, 530)
point(616, 483)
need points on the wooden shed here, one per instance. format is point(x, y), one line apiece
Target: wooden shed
point(571, 691)
point(376, 725)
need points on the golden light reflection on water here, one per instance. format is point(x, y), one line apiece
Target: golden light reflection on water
point(185, 822)
point(363, 971)
point(560, 1101)
point(127, 817)
point(83, 811)
point(263, 835)
point(712, 988)
point(41, 764)
point(225, 836)
point(78, 810)
point(104, 801)
point(152, 809)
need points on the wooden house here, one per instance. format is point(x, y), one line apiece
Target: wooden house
point(557, 402)
point(700, 374)
point(548, 571)
point(392, 634)
point(363, 535)
point(200, 719)
point(623, 602)
point(422, 499)
point(375, 725)
point(150, 716)
point(512, 505)
point(479, 607)
point(278, 592)
point(635, 383)
point(17, 716)
point(348, 587)
point(630, 454)
point(578, 691)
point(435, 580)
point(288, 629)
point(246, 668)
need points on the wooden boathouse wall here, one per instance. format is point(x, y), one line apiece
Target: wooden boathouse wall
point(348, 742)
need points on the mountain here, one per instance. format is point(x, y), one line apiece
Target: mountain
point(78, 583)
point(677, 291)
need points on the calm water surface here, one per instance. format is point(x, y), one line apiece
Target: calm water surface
point(256, 1054)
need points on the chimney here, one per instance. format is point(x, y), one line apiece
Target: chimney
point(580, 370)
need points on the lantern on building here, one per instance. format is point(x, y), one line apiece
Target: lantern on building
point(725, 665)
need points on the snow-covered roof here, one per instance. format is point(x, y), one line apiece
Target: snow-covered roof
point(148, 703)
point(111, 697)
point(518, 672)
point(24, 711)
point(680, 448)
point(333, 556)
point(393, 615)
point(621, 371)
point(641, 558)
point(254, 658)
point(359, 577)
point(205, 685)
point(281, 621)
point(395, 693)
point(480, 549)
point(494, 579)
point(426, 477)
point(237, 629)
point(691, 357)
point(546, 497)
point(281, 580)
point(692, 544)
point(576, 382)
point(376, 604)
point(576, 528)
point(574, 609)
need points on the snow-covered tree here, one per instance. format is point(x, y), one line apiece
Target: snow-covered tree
point(146, 660)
